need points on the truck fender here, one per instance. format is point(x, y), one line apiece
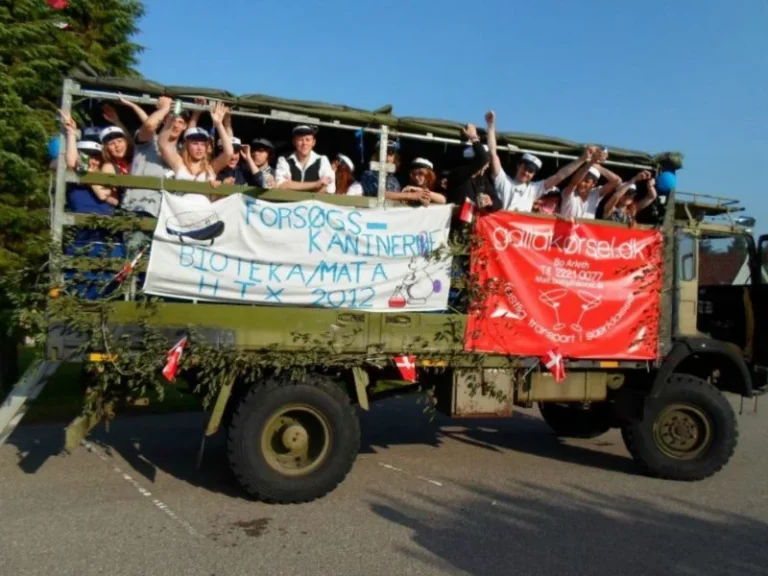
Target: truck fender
point(729, 354)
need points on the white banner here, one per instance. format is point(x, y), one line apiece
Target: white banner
point(238, 249)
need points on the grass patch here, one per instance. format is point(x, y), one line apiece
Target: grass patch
point(62, 397)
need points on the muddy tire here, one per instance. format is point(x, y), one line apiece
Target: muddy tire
point(293, 442)
point(576, 420)
point(689, 432)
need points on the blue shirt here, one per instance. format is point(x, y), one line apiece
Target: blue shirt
point(83, 201)
point(370, 183)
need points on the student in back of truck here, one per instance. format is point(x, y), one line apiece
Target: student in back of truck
point(233, 172)
point(193, 162)
point(624, 206)
point(420, 188)
point(519, 193)
point(257, 157)
point(305, 170)
point(86, 156)
point(370, 178)
point(471, 180)
point(147, 160)
point(345, 177)
point(582, 195)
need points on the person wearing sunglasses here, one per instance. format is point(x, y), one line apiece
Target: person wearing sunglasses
point(623, 206)
point(519, 193)
point(582, 196)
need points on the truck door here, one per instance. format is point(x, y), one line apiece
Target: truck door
point(725, 310)
point(760, 299)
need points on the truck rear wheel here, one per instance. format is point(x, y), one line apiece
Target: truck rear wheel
point(291, 442)
point(578, 420)
point(688, 432)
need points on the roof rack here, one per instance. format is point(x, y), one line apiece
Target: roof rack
point(696, 206)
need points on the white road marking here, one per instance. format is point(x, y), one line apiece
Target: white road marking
point(141, 490)
point(423, 478)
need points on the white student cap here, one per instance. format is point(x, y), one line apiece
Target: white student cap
point(632, 188)
point(304, 129)
point(347, 161)
point(92, 133)
point(469, 151)
point(110, 133)
point(532, 159)
point(236, 142)
point(89, 147)
point(594, 172)
point(422, 163)
point(196, 133)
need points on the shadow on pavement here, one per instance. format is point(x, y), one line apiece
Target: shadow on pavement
point(170, 443)
point(527, 529)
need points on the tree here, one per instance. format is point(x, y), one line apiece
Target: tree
point(39, 46)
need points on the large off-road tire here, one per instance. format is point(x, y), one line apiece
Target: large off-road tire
point(689, 432)
point(293, 442)
point(577, 420)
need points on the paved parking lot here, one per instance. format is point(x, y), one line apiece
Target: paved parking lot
point(444, 497)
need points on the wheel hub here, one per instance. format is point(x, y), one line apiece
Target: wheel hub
point(295, 438)
point(683, 431)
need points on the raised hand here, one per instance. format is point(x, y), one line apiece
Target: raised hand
point(644, 175)
point(164, 103)
point(245, 151)
point(470, 132)
point(110, 114)
point(67, 122)
point(490, 118)
point(218, 112)
point(484, 201)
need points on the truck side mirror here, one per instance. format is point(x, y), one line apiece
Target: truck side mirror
point(762, 258)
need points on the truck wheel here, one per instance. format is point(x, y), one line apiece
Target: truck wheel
point(689, 432)
point(290, 442)
point(577, 420)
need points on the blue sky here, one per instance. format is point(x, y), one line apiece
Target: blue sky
point(686, 75)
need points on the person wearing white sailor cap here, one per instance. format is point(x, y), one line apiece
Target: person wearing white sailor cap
point(582, 195)
point(85, 156)
point(420, 188)
point(305, 170)
point(193, 162)
point(624, 206)
point(519, 193)
point(233, 173)
point(345, 177)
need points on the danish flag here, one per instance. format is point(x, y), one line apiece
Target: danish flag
point(173, 358)
point(555, 363)
point(467, 211)
point(128, 268)
point(407, 367)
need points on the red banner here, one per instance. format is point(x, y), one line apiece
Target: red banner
point(590, 289)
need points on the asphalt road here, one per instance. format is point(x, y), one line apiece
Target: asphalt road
point(450, 497)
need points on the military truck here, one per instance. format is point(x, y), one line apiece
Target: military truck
point(294, 441)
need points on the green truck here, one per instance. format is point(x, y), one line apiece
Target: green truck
point(290, 379)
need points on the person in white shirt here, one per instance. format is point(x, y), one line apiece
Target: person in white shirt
point(582, 196)
point(305, 170)
point(519, 193)
point(345, 176)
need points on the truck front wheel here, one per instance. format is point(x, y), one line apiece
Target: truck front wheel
point(688, 431)
point(578, 420)
point(293, 442)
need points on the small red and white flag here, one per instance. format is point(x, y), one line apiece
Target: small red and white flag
point(407, 367)
point(467, 211)
point(173, 358)
point(128, 268)
point(555, 363)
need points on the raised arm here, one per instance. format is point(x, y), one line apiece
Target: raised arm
point(569, 169)
point(490, 122)
point(138, 110)
point(194, 119)
point(577, 179)
point(613, 180)
point(149, 125)
point(218, 113)
point(71, 155)
point(167, 147)
point(650, 197)
point(610, 205)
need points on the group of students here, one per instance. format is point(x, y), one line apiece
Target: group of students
point(173, 145)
